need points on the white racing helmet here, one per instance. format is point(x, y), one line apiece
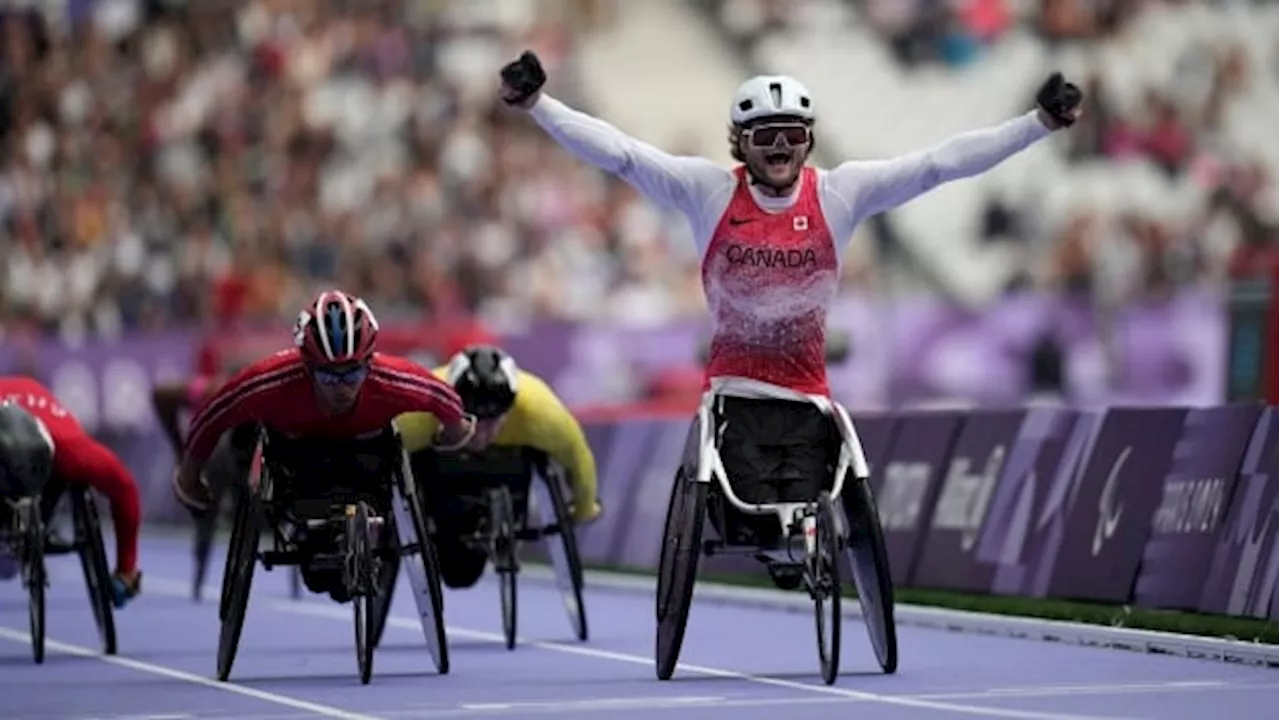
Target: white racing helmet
point(771, 96)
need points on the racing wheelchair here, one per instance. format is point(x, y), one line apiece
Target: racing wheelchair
point(817, 540)
point(491, 503)
point(348, 534)
point(25, 528)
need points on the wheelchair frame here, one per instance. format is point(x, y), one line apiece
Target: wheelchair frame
point(710, 464)
point(371, 586)
point(24, 532)
point(501, 536)
point(822, 525)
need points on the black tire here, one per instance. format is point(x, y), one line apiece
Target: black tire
point(363, 603)
point(36, 578)
point(826, 587)
point(93, 562)
point(242, 558)
point(678, 568)
point(869, 561)
point(430, 565)
point(390, 573)
point(234, 546)
point(503, 541)
point(574, 602)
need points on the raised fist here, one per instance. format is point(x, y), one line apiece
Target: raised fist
point(522, 80)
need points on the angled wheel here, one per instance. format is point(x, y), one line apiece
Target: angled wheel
point(678, 568)
point(242, 558)
point(503, 537)
point(565, 558)
point(388, 574)
point(93, 561)
point(359, 578)
point(824, 581)
point(31, 530)
point(414, 536)
point(869, 561)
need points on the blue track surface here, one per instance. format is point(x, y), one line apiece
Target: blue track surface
point(297, 660)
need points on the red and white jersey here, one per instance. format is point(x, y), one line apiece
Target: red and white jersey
point(278, 392)
point(59, 425)
point(769, 297)
point(769, 278)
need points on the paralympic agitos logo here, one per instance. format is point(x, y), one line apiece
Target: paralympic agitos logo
point(738, 254)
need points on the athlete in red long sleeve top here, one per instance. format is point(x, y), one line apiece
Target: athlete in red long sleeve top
point(332, 385)
point(79, 460)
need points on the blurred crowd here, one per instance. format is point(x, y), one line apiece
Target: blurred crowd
point(1166, 98)
point(168, 163)
point(174, 163)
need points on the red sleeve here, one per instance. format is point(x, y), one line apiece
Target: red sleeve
point(246, 397)
point(412, 388)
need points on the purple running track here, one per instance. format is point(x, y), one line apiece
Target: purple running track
point(297, 660)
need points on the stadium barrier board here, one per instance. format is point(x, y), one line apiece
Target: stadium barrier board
point(1160, 507)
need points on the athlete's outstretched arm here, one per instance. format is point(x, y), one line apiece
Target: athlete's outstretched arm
point(244, 398)
point(678, 182)
point(871, 187)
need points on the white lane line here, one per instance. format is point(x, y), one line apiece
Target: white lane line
point(628, 703)
point(18, 636)
point(336, 613)
point(171, 587)
point(1119, 689)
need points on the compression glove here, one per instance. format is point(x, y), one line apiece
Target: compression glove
point(525, 76)
point(1060, 100)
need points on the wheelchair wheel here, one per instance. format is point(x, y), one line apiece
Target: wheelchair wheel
point(242, 557)
point(387, 578)
point(437, 641)
point(359, 568)
point(824, 580)
point(234, 546)
point(870, 563)
point(93, 561)
point(33, 573)
point(678, 568)
point(567, 560)
point(503, 531)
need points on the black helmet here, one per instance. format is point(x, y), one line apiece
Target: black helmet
point(26, 452)
point(485, 378)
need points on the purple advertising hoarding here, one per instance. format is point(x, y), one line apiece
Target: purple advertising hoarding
point(1109, 505)
point(1242, 576)
point(906, 493)
point(1200, 483)
point(875, 432)
point(977, 461)
point(1049, 444)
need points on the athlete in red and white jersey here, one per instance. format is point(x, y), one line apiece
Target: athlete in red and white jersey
point(332, 385)
point(80, 460)
point(771, 232)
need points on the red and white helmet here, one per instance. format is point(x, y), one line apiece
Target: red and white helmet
point(336, 329)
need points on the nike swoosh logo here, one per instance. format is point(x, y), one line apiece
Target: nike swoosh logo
point(740, 221)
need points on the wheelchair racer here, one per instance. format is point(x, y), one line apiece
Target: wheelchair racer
point(26, 463)
point(523, 424)
point(79, 460)
point(771, 232)
point(333, 386)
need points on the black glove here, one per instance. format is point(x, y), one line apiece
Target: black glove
point(525, 76)
point(1059, 99)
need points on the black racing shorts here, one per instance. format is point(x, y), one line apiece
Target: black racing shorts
point(454, 490)
point(772, 451)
